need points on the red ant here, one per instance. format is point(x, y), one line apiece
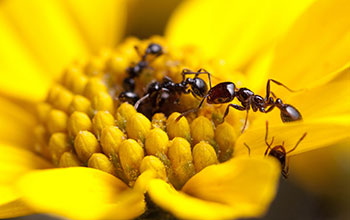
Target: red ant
point(226, 91)
point(167, 90)
point(279, 151)
point(128, 95)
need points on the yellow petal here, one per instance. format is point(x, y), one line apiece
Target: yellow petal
point(14, 162)
point(15, 209)
point(15, 124)
point(80, 193)
point(20, 73)
point(46, 29)
point(316, 46)
point(185, 206)
point(321, 132)
point(248, 185)
point(101, 22)
point(242, 187)
point(235, 30)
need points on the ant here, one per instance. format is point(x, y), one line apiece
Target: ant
point(159, 92)
point(279, 151)
point(129, 83)
point(226, 91)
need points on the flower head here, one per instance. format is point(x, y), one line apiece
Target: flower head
point(105, 155)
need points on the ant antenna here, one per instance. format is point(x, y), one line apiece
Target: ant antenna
point(245, 122)
point(136, 106)
point(302, 137)
point(246, 145)
point(266, 136)
point(278, 83)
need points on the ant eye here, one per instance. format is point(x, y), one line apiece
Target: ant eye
point(220, 100)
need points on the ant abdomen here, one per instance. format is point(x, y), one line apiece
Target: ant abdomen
point(221, 93)
point(290, 113)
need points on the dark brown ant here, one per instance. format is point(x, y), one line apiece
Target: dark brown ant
point(128, 95)
point(168, 90)
point(226, 91)
point(278, 151)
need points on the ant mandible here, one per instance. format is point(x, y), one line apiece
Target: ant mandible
point(226, 91)
point(169, 90)
point(128, 95)
point(279, 152)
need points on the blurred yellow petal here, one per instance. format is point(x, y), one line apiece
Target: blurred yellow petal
point(235, 30)
point(80, 193)
point(44, 27)
point(242, 187)
point(101, 22)
point(20, 75)
point(185, 206)
point(316, 46)
point(320, 133)
point(247, 184)
point(326, 100)
point(14, 209)
point(14, 162)
point(15, 124)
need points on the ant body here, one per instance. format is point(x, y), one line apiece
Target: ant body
point(128, 95)
point(226, 91)
point(279, 152)
point(168, 90)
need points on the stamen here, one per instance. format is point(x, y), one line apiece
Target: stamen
point(83, 123)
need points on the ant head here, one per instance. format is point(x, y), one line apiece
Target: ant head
point(129, 84)
point(198, 86)
point(153, 87)
point(221, 93)
point(279, 153)
point(244, 94)
point(154, 49)
point(129, 97)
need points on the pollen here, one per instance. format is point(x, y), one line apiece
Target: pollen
point(84, 122)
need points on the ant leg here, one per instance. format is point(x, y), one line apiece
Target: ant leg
point(136, 106)
point(203, 71)
point(240, 108)
point(139, 53)
point(188, 72)
point(269, 109)
point(246, 145)
point(302, 137)
point(192, 110)
point(278, 83)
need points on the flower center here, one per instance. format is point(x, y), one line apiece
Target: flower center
point(86, 119)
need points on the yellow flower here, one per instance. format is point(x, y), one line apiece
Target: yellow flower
point(304, 44)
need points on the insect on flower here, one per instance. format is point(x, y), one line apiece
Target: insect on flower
point(279, 151)
point(158, 93)
point(128, 95)
point(226, 91)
